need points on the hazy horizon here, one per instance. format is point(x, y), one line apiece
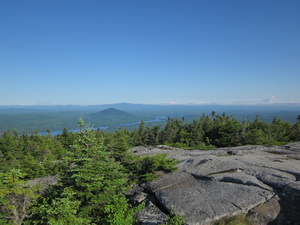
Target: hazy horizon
point(149, 52)
point(167, 104)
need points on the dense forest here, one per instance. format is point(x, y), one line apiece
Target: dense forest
point(94, 169)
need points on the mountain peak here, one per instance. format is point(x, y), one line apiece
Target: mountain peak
point(111, 116)
point(112, 112)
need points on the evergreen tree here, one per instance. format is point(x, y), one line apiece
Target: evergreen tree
point(16, 197)
point(91, 187)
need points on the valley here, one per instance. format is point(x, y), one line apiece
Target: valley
point(111, 117)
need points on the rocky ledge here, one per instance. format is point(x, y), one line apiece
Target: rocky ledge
point(262, 182)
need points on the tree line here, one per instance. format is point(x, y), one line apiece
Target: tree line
point(212, 131)
point(94, 168)
point(91, 181)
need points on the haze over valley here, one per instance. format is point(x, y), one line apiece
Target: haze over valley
point(111, 117)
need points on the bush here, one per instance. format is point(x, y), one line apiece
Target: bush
point(144, 168)
point(174, 219)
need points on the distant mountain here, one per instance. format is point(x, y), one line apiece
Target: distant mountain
point(20, 110)
point(111, 112)
point(109, 117)
point(158, 109)
point(41, 117)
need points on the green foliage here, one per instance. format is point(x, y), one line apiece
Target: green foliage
point(158, 162)
point(215, 130)
point(16, 196)
point(90, 189)
point(34, 154)
point(174, 219)
point(59, 210)
point(95, 168)
point(119, 213)
point(235, 220)
point(203, 146)
point(145, 168)
point(118, 143)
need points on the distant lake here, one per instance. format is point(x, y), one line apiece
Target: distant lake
point(157, 119)
point(56, 132)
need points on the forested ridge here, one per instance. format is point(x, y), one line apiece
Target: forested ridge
point(94, 169)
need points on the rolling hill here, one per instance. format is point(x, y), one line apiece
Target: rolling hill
point(42, 117)
point(110, 117)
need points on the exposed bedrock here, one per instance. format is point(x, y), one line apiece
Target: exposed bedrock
point(260, 181)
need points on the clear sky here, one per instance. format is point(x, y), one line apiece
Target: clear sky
point(149, 51)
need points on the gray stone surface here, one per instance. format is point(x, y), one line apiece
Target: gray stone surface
point(259, 180)
point(136, 194)
point(151, 215)
point(203, 201)
point(44, 182)
point(293, 189)
point(265, 213)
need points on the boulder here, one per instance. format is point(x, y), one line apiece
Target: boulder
point(260, 181)
point(202, 200)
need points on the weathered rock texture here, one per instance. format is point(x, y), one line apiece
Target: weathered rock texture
point(260, 181)
point(44, 182)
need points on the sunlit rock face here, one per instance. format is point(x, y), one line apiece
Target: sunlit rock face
point(260, 181)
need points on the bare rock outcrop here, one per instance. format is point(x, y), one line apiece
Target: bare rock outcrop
point(260, 181)
point(44, 182)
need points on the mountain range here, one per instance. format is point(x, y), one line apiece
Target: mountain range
point(43, 117)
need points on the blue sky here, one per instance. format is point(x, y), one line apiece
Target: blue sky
point(149, 51)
